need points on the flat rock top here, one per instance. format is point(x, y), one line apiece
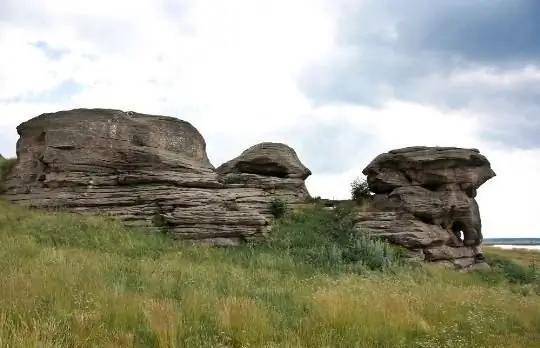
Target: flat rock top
point(105, 127)
point(270, 159)
point(80, 116)
point(420, 157)
point(429, 167)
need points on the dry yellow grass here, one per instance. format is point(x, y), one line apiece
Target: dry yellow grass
point(67, 281)
point(525, 257)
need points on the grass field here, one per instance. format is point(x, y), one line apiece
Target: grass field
point(523, 256)
point(69, 281)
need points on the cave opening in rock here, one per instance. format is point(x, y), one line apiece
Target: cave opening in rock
point(458, 230)
point(263, 167)
point(431, 186)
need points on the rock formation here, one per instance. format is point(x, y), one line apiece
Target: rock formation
point(150, 171)
point(272, 167)
point(425, 201)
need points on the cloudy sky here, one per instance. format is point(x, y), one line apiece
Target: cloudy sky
point(339, 80)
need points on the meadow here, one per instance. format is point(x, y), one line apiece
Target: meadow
point(73, 281)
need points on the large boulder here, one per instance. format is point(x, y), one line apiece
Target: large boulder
point(150, 171)
point(272, 167)
point(425, 198)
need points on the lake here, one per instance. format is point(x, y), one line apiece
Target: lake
point(529, 247)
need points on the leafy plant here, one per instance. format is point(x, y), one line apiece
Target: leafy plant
point(233, 178)
point(322, 238)
point(277, 207)
point(360, 191)
point(6, 166)
point(512, 271)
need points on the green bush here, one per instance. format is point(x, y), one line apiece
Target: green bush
point(277, 207)
point(512, 271)
point(6, 166)
point(323, 238)
point(360, 190)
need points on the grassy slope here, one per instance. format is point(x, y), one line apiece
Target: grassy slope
point(68, 281)
point(6, 165)
point(523, 256)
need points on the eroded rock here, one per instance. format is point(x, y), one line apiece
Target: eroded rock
point(425, 197)
point(272, 167)
point(150, 171)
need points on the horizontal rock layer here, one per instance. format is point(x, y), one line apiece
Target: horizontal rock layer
point(150, 171)
point(425, 201)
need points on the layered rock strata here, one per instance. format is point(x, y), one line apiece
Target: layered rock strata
point(150, 171)
point(272, 167)
point(425, 201)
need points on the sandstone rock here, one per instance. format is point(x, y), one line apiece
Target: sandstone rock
point(428, 167)
point(268, 159)
point(151, 171)
point(426, 198)
point(478, 266)
point(400, 229)
point(445, 252)
point(273, 167)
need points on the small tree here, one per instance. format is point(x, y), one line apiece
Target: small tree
point(360, 190)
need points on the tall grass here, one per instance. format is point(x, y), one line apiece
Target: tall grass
point(6, 165)
point(69, 281)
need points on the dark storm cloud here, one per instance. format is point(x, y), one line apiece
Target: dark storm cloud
point(410, 50)
point(476, 30)
point(490, 31)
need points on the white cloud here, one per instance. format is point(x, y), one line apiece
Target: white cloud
point(507, 208)
point(232, 69)
point(491, 77)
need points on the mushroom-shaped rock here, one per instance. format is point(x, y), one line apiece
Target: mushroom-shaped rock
point(151, 171)
point(268, 159)
point(272, 167)
point(429, 167)
point(433, 187)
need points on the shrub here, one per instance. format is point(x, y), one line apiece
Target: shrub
point(6, 166)
point(277, 207)
point(512, 271)
point(325, 239)
point(360, 190)
point(315, 199)
point(233, 178)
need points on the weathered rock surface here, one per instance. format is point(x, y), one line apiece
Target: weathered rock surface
point(272, 167)
point(425, 200)
point(150, 171)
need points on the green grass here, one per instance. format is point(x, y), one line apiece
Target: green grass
point(524, 257)
point(6, 165)
point(70, 281)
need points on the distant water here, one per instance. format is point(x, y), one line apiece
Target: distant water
point(511, 241)
point(529, 247)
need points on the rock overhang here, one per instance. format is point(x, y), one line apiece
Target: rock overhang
point(432, 191)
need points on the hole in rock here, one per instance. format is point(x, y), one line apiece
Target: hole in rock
point(263, 167)
point(431, 187)
point(425, 219)
point(457, 230)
